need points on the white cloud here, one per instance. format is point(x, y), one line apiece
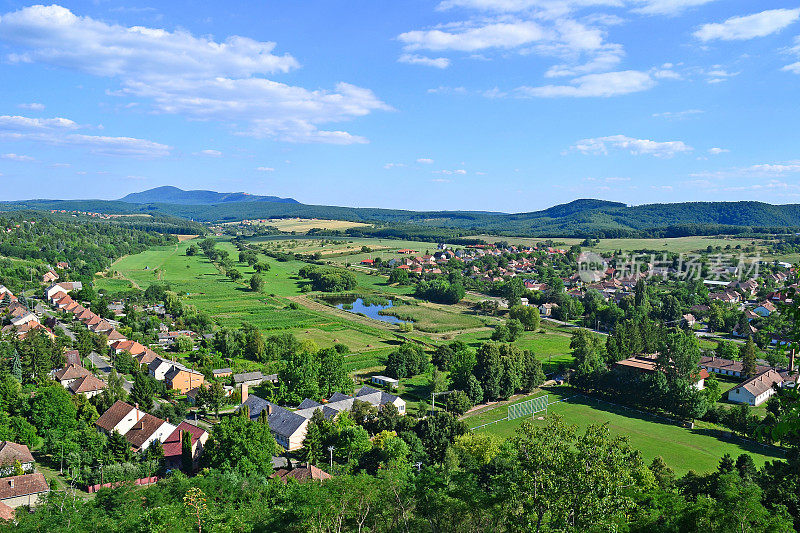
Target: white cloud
point(57, 132)
point(194, 76)
point(678, 115)
point(749, 26)
point(717, 151)
point(32, 106)
point(210, 153)
point(794, 67)
point(717, 74)
point(459, 171)
point(389, 166)
point(667, 7)
point(761, 170)
point(26, 124)
point(17, 157)
point(602, 145)
point(265, 169)
point(594, 85)
point(471, 39)
point(425, 161)
point(414, 59)
point(442, 89)
point(441, 180)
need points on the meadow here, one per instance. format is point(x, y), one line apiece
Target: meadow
point(681, 448)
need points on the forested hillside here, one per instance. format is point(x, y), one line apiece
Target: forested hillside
point(576, 219)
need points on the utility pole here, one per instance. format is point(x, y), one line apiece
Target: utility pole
point(330, 449)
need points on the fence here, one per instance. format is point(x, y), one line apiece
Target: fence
point(141, 481)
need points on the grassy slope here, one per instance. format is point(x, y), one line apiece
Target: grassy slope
point(681, 448)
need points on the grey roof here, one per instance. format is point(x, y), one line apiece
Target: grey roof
point(247, 376)
point(338, 396)
point(221, 371)
point(305, 404)
point(281, 421)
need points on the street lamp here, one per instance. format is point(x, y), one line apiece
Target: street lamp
point(418, 464)
point(330, 449)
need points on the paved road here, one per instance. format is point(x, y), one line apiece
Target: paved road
point(103, 366)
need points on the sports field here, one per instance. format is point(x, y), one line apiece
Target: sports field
point(682, 449)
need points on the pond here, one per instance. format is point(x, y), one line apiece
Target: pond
point(371, 310)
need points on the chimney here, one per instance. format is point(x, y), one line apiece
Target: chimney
point(244, 392)
point(269, 408)
point(791, 361)
point(136, 407)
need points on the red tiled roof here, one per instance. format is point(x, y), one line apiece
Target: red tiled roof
point(308, 472)
point(15, 486)
point(109, 420)
point(88, 383)
point(173, 447)
point(6, 512)
point(143, 430)
point(12, 451)
point(71, 372)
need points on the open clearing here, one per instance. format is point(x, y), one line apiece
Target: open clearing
point(682, 449)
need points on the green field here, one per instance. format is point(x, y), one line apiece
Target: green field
point(675, 244)
point(682, 449)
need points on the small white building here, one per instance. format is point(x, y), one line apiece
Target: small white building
point(756, 390)
point(385, 381)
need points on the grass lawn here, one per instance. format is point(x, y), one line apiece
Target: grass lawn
point(550, 347)
point(682, 449)
point(435, 318)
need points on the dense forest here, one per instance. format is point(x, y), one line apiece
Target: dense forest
point(578, 218)
point(33, 242)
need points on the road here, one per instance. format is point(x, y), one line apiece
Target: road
point(103, 367)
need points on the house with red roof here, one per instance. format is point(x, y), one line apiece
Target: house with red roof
point(173, 446)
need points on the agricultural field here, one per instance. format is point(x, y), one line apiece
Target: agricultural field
point(675, 244)
point(681, 448)
point(302, 225)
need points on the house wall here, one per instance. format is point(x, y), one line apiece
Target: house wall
point(186, 381)
point(161, 371)
point(743, 396)
point(160, 434)
point(296, 440)
point(31, 500)
point(128, 422)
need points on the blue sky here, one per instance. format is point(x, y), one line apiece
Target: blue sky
point(503, 105)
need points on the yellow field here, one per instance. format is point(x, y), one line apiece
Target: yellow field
point(302, 225)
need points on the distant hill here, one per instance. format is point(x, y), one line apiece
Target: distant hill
point(174, 195)
point(580, 218)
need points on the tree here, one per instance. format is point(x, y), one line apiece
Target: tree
point(256, 283)
point(255, 347)
point(747, 353)
point(143, 391)
point(333, 375)
point(187, 457)
point(515, 329)
point(528, 315)
point(457, 402)
point(399, 276)
point(183, 343)
point(238, 444)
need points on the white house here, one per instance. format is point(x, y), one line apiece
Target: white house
point(756, 390)
point(120, 417)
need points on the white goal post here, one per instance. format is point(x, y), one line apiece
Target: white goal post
point(528, 407)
